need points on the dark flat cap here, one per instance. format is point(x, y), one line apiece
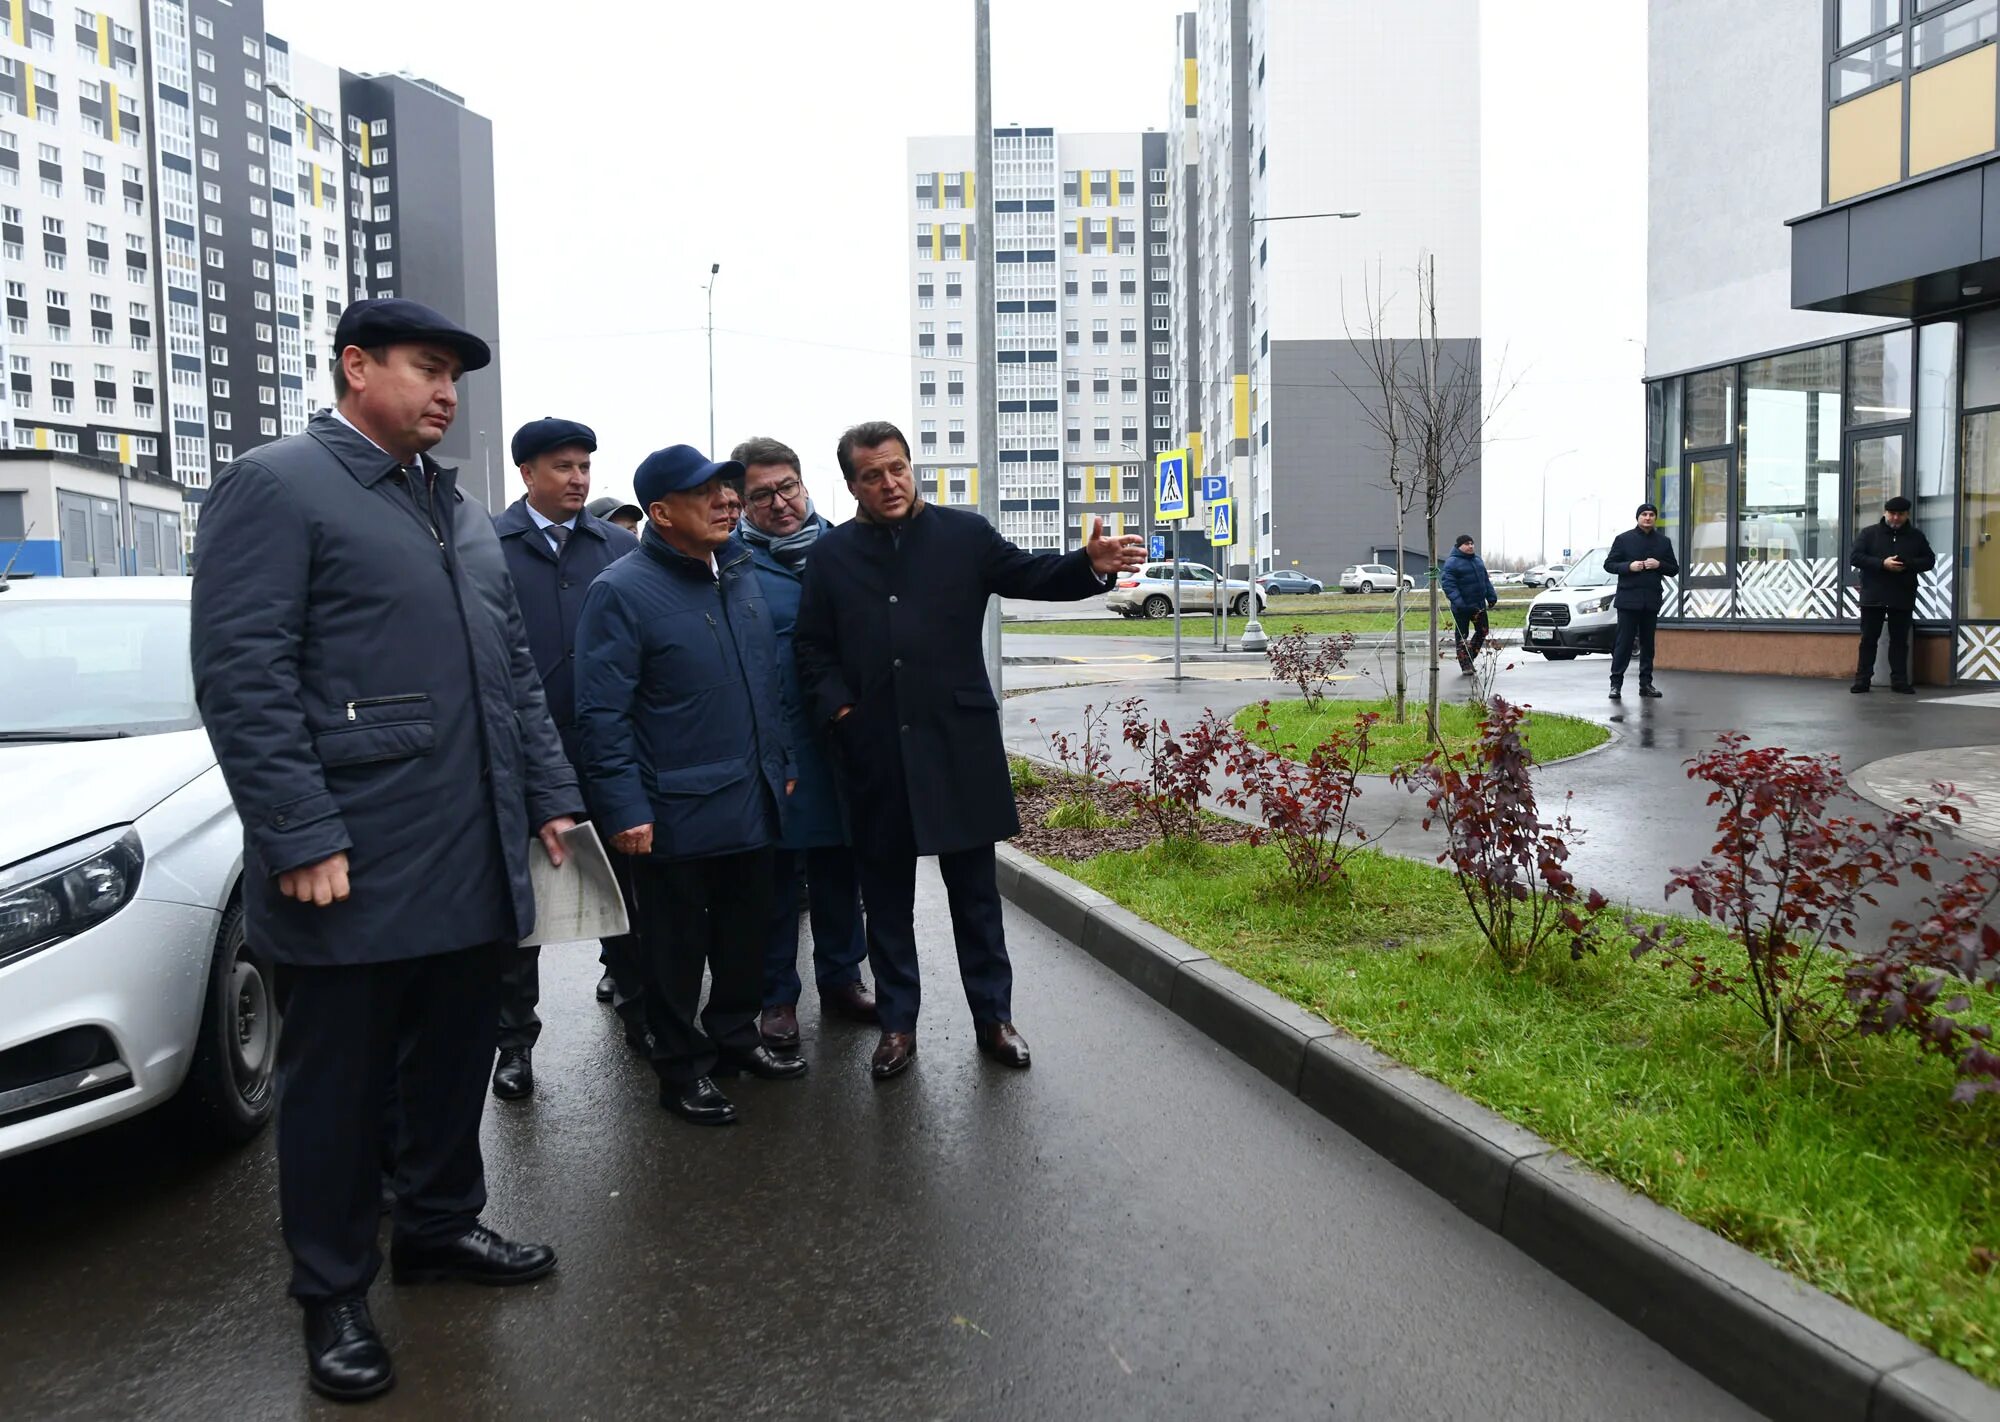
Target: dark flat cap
point(1899, 504)
point(611, 504)
point(392, 321)
point(547, 433)
point(677, 468)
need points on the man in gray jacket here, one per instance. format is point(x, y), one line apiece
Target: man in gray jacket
point(366, 681)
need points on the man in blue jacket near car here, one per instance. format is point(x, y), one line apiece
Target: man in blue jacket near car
point(555, 548)
point(1469, 589)
point(687, 768)
point(781, 529)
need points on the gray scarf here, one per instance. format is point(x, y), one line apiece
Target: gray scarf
point(790, 549)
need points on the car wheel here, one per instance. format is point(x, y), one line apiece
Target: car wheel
point(1368, 587)
point(1157, 606)
point(1317, 589)
point(231, 1085)
point(1560, 656)
point(1240, 606)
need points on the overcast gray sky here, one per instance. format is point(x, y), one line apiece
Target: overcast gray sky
point(634, 144)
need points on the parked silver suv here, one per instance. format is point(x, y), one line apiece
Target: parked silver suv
point(1366, 577)
point(1150, 592)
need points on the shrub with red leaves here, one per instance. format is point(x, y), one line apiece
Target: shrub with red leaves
point(1304, 806)
point(1510, 863)
point(1174, 770)
point(1088, 755)
point(1310, 666)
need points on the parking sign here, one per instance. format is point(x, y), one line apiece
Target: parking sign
point(1214, 488)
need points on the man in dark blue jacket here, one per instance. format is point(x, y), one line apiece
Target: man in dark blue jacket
point(554, 549)
point(687, 768)
point(1469, 590)
point(1642, 559)
point(781, 528)
point(365, 679)
point(891, 656)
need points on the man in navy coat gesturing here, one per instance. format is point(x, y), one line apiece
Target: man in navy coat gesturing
point(889, 653)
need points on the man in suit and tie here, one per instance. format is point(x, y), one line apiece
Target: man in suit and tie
point(555, 547)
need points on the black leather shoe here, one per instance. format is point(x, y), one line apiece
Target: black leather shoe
point(1616, 694)
point(345, 1359)
point(1001, 1042)
point(605, 988)
point(893, 1053)
point(1904, 690)
point(514, 1075)
point(1652, 693)
point(699, 1101)
point(850, 1000)
point(779, 1027)
point(479, 1256)
point(761, 1062)
point(1860, 688)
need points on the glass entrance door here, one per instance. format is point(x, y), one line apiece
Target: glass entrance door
point(1877, 464)
point(1979, 524)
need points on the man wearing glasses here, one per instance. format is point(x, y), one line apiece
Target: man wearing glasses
point(780, 526)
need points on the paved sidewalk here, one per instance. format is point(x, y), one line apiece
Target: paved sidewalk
point(1973, 770)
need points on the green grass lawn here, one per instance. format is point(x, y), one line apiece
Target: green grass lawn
point(1550, 737)
point(1858, 1175)
point(1278, 618)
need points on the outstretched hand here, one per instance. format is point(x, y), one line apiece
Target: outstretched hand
point(1121, 554)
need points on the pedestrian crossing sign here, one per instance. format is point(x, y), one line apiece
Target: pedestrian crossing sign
point(1170, 485)
point(1222, 522)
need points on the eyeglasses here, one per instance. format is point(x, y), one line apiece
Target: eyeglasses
point(764, 498)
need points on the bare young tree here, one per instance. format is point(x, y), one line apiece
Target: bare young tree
point(1382, 400)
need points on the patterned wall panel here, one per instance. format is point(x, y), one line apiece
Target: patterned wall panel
point(1979, 654)
point(1670, 591)
point(1706, 602)
point(1934, 591)
point(1788, 590)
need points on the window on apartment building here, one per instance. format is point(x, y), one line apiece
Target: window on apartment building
point(218, 355)
point(209, 127)
point(1158, 224)
point(204, 60)
point(252, 79)
point(205, 92)
point(217, 291)
point(378, 128)
point(221, 422)
point(219, 389)
point(385, 269)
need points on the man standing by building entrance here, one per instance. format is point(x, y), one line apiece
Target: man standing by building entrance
point(781, 528)
point(1642, 559)
point(365, 678)
point(554, 549)
point(1892, 556)
point(890, 656)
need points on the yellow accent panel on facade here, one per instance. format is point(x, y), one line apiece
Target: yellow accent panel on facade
point(312, 134)
point(1952, 111)
point(1114, 187)
point(18, 28)
point(318, 200)
point(1194, 450)
point(1080, 224)
point(1864, 143)
point(1083, 528)
point(937, 242)
point(970, 187)
point(1190, 82)
point(124, 449)
point(1118, 524)
point(1083, 188)
point(366, 151)
point(1240, 401)
point(111, 109)
point(27, 75)
point(41, 438)
point(972, 486)
point(104, 40)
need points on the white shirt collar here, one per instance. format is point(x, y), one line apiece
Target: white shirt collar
point(541, 522)
point(339, 415)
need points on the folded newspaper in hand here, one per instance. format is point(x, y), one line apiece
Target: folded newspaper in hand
point(579, 900)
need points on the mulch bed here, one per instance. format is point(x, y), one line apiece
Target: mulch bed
point(1038, 839)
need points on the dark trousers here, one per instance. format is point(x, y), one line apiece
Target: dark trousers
point(520, 990)
point(1476, 618)
point(696, 912)
point(1899, 619)
point(889, 886)
point(833, 902)
point(427, 1024)
point(623, 956)
point(1634, 628)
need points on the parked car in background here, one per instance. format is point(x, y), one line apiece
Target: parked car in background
point(1576, 615)
point(124, 977)
point(1150, 592)
point(1367, 577)
point(1544, 575)
point(1288, 580)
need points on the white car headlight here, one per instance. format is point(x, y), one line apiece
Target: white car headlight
point(1597, 604)
point(59, 894)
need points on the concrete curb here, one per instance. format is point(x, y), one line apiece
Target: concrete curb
point(1782, 1346)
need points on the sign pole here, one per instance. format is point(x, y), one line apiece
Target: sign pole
point(1170, 508)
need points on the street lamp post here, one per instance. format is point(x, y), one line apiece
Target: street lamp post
point(1254, 639)
point(714, 268)
point(1542, 533)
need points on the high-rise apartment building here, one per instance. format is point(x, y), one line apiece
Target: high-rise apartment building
point(1079, 327)
point(187, 207)
point(1283, 113)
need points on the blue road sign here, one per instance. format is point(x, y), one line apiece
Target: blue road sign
point(1170, 486)
point(1214, 488)
point(1222, 523)
point(1158, 548)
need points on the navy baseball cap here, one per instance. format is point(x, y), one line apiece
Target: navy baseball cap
point(676, 469)
point(392, 321)
point(541, 436)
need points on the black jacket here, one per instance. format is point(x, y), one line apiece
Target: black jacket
point(1879, 586)
point(679, 705)
point(890, 623)
point(366, 683)
point(551, 597)
point(1641, 590)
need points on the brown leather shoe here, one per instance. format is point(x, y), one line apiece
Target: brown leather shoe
point(850, 1000)
point(893, 1053)
point(779, 1027)
point(1001, 1042)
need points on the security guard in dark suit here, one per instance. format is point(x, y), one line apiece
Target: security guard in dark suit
point(366, 683)
point(554, 548)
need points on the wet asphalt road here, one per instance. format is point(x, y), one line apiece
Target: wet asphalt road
point(1139, 1227)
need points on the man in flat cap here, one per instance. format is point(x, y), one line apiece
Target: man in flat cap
point(615, 510)
point(1642, 559)
point(1892, 556)
point(366, 681)
point(687, 767)
point(554, 548)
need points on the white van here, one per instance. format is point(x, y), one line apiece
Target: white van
point(1575, 615)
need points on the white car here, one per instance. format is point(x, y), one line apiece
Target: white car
point(124, 978)
point(1366, 577)
point(1545, 575)
point(1575, 616)
point(1149, 592)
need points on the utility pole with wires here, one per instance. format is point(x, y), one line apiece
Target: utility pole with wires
point(714, 268)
